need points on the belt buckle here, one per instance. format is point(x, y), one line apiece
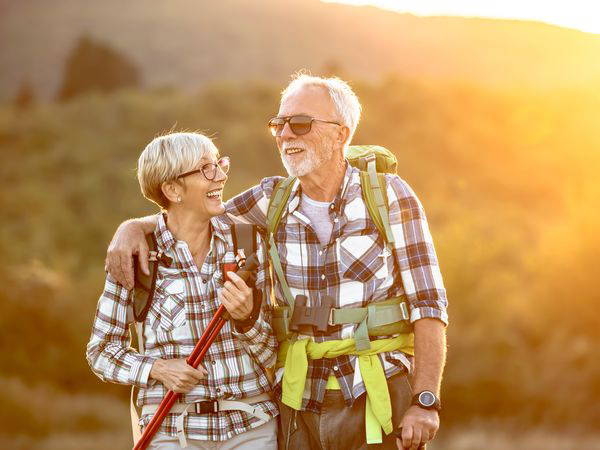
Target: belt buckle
point(207, 407)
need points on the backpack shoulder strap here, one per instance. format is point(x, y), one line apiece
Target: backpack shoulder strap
point(279, 198)
point(244, 239)
point(375, 197)
point(143, 291)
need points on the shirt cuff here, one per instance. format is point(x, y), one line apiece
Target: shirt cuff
point(139, 374)
point(254, 334)
point(427, 312)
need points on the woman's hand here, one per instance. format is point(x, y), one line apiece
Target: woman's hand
point(176, 374)
point(237, 297)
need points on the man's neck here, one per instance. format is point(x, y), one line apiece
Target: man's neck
point(323, 184)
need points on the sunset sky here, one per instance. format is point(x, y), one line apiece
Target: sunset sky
point(582, 15)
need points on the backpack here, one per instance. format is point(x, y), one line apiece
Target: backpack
point(373, 161)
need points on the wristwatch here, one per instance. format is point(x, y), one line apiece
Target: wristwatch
point(427, 400)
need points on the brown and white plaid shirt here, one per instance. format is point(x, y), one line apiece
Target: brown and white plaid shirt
point(184, 303)
point(355, 267)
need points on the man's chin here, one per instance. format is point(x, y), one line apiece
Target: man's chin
point(297, 170)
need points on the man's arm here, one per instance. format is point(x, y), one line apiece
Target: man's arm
point(129, 240)
point(424, 288)
point(418, 424)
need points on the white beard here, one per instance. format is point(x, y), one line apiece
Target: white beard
point(310, 161)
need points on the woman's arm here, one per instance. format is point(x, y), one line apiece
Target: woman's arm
point(109, 353)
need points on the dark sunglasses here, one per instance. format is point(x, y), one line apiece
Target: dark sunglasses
point(209, 170)
point(298, 124)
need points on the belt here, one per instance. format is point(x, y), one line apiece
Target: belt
point(206, 407)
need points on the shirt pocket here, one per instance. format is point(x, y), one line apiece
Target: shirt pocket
point(170, 304)
point(363, 258)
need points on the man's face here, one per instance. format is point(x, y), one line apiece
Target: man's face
point(305, 153)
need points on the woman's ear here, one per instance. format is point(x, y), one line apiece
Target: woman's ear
point(172, 191)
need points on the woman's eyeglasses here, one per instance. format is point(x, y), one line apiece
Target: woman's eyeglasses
point(209, 170)
point(298, 124)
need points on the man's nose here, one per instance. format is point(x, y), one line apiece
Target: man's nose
point(287, 132)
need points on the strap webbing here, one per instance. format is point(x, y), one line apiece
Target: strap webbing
point(279, 198)
point(375, 197)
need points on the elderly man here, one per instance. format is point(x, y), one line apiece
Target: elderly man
point(331, 252)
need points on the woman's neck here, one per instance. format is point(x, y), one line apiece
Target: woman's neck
point(186, 225)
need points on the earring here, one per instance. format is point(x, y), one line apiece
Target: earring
point(178, 198)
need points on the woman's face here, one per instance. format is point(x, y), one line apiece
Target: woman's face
point(202, 186)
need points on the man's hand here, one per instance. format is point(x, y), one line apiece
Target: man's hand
point(128, 240)
point(418, 427)
point(176, 374)
point(237, 297)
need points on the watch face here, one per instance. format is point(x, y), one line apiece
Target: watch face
point(426, 398)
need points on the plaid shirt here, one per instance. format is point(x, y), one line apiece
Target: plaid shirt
point(355, 267)
point(184, 303)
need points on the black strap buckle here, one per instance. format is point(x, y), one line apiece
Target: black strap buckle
point(316, 316)
point(206, 407)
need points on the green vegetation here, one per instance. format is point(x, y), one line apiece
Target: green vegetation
point(508, 180)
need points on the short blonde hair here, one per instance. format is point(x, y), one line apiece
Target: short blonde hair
point(346, 102)
point(167, 157)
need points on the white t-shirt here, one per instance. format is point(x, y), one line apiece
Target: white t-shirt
point(318, 213)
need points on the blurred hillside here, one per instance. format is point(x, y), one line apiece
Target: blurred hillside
point(185, 43)
point(509, 182)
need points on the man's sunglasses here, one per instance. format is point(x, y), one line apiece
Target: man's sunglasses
point(298, 124)
point(209, 170)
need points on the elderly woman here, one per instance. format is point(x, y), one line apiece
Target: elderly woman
point(184, 175)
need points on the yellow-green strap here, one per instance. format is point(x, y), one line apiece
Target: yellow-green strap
point(276, 263)
point(372, 426)
point(296, 357)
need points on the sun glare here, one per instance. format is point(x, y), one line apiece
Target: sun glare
point(578, 14)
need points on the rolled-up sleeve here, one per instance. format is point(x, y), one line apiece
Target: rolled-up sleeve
point(259, 340)
point(109, 352)
point(251, 205)
point(415, 253)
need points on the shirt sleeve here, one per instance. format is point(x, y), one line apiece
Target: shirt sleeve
point(415, 253)
point(260, 340)
point(109, 353)
point(251, 206)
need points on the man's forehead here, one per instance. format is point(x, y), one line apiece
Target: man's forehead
point(313, 100)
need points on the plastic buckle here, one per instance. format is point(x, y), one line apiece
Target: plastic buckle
point(330, 319)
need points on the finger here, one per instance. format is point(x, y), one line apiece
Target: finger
point(116, 271)
point(143, 257)
point(239, 282)
point(126, 271)
point(416, 439)
point(407, 435)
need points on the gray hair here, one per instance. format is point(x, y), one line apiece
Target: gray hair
point(167, 157)
point(346, 102)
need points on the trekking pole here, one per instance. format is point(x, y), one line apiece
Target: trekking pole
point(208, 337)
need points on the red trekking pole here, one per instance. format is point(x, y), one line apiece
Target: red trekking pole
point(195, 358)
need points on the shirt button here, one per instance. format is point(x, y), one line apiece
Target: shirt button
point(335, 368)
point(336, 220)
point(213, 362)
point(320, 252)
point(323, 277)
point(204, 281)
point(218, 390)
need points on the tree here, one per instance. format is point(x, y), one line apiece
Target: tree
point(95, 66)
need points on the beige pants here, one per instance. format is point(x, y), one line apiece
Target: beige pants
point(263, 437)
point(339, 427)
